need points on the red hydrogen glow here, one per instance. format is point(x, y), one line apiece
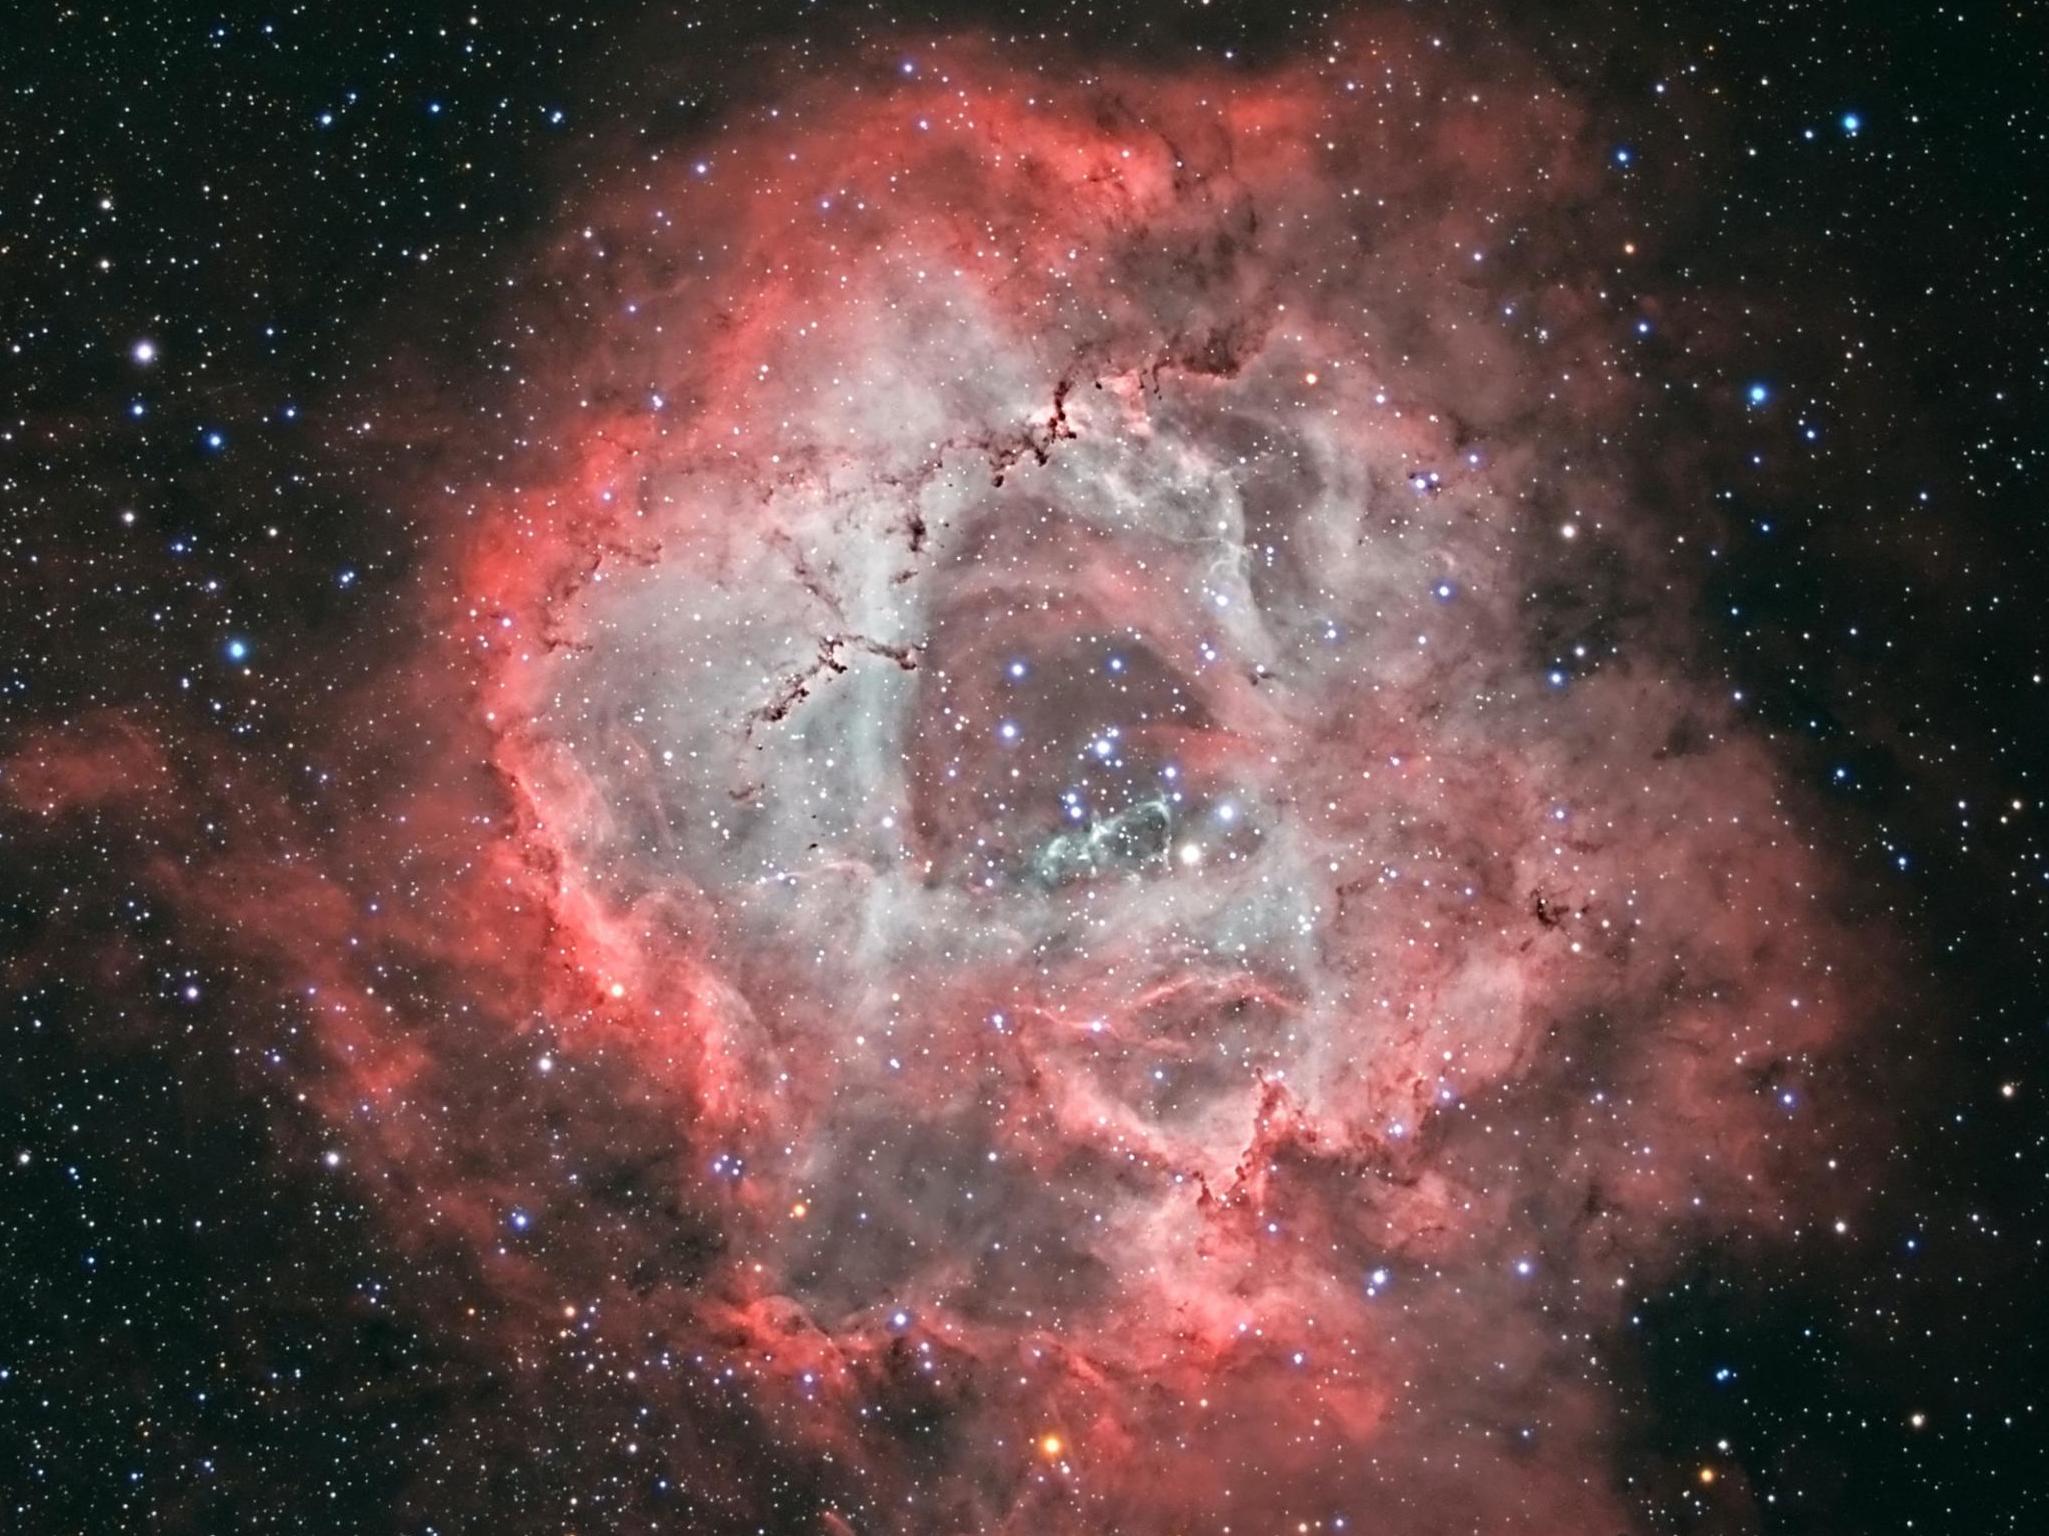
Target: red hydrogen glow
point(1059, 862)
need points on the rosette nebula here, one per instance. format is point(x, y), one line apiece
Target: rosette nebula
point(1046, 833)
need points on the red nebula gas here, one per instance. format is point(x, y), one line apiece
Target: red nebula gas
point(1054, 856)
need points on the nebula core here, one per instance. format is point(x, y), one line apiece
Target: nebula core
point(1052, 852)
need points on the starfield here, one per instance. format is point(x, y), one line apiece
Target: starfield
point(1201, 770)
